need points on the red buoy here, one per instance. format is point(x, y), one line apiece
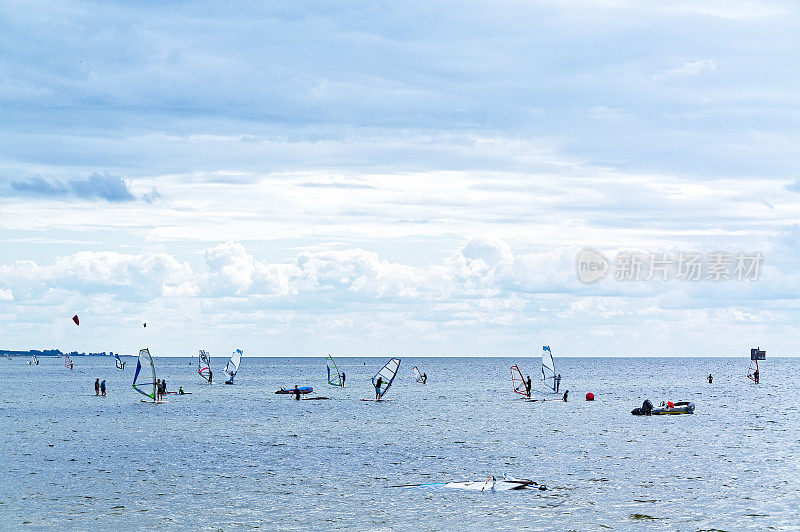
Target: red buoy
point(590, 396)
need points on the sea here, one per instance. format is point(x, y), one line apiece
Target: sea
point(242, 457)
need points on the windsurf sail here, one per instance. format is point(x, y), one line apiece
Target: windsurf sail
point(548, 368)
point(204, 365)
point(144, 380)
point(753, 373)
point(518, 382)
point(386, 374)
point(119, 363)
point(334, 377)
point(34, 361)
point(417, 375)
point(67, 362)
point(233, 365)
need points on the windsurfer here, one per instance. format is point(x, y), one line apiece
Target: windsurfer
point(566, 392)
point(558, 382)
point(343, 377)
point(210, 375)
point(424, 378)
point(97, 387)
point(755, 376)
point(296, 392)
point(378, 384)
point(710, 378)
point(103, 388)
point(180, 390)
point(528, 386)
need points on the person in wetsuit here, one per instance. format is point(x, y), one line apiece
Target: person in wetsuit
point(97, 387)
point(378, 384)
point(424, 378)
point(296, 392)
point(180, 390)
point(755, 376)
point(710, 378)
point(210, 375)
point(103, 388)
point(558, 382)
point(528, 386)
point(566, 392)
point(343, 377)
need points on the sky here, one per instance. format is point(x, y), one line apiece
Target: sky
point(418, 178)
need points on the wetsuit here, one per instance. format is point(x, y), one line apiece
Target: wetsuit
point(103, 388)
point(97, 387)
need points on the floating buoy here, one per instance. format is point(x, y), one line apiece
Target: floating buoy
point(590, 396)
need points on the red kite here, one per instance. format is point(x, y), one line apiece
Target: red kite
point(76, 320)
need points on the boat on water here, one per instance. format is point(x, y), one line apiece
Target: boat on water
point(665, 408)
point(302, 389)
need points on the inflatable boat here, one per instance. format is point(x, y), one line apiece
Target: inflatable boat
point(669, 408)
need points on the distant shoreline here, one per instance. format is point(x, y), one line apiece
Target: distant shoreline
point(51, 353)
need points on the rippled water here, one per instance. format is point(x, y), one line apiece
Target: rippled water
point(240, 457)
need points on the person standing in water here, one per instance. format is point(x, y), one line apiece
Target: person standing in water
point(97, 387)
point(210, 376)
point(710, 378)
point(296, 393)
point(558, 382)
point(343, 377)
point(528, 386)
point(424, 378)
point(158, 389)
point(103, 388)
point(566, 392)
point(378, 384)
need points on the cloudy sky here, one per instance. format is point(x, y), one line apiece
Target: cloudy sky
point(396, 177)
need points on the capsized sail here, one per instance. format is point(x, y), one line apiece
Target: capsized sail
point(386, 374)
point(119, 363)
point(144, 380)
point(334, 377)
point(418, 375)
point(548, 368)
point(517, 381)
point(233, 365)
point(204, 365)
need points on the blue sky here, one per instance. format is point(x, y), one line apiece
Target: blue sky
point(369, 178)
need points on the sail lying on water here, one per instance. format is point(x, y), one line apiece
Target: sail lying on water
point(118, 362)
point(204, 365)
point(517, 381)
point(334, 377)
point(144, 380)
point(386, 374)
point(548, 368)
point(232, 367)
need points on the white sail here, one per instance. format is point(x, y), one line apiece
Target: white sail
point(232, 367)
point(548, 368)
point(34, 361)
point(386, 375)
point(204, 365)
point(118, 362)
point(144, 380)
